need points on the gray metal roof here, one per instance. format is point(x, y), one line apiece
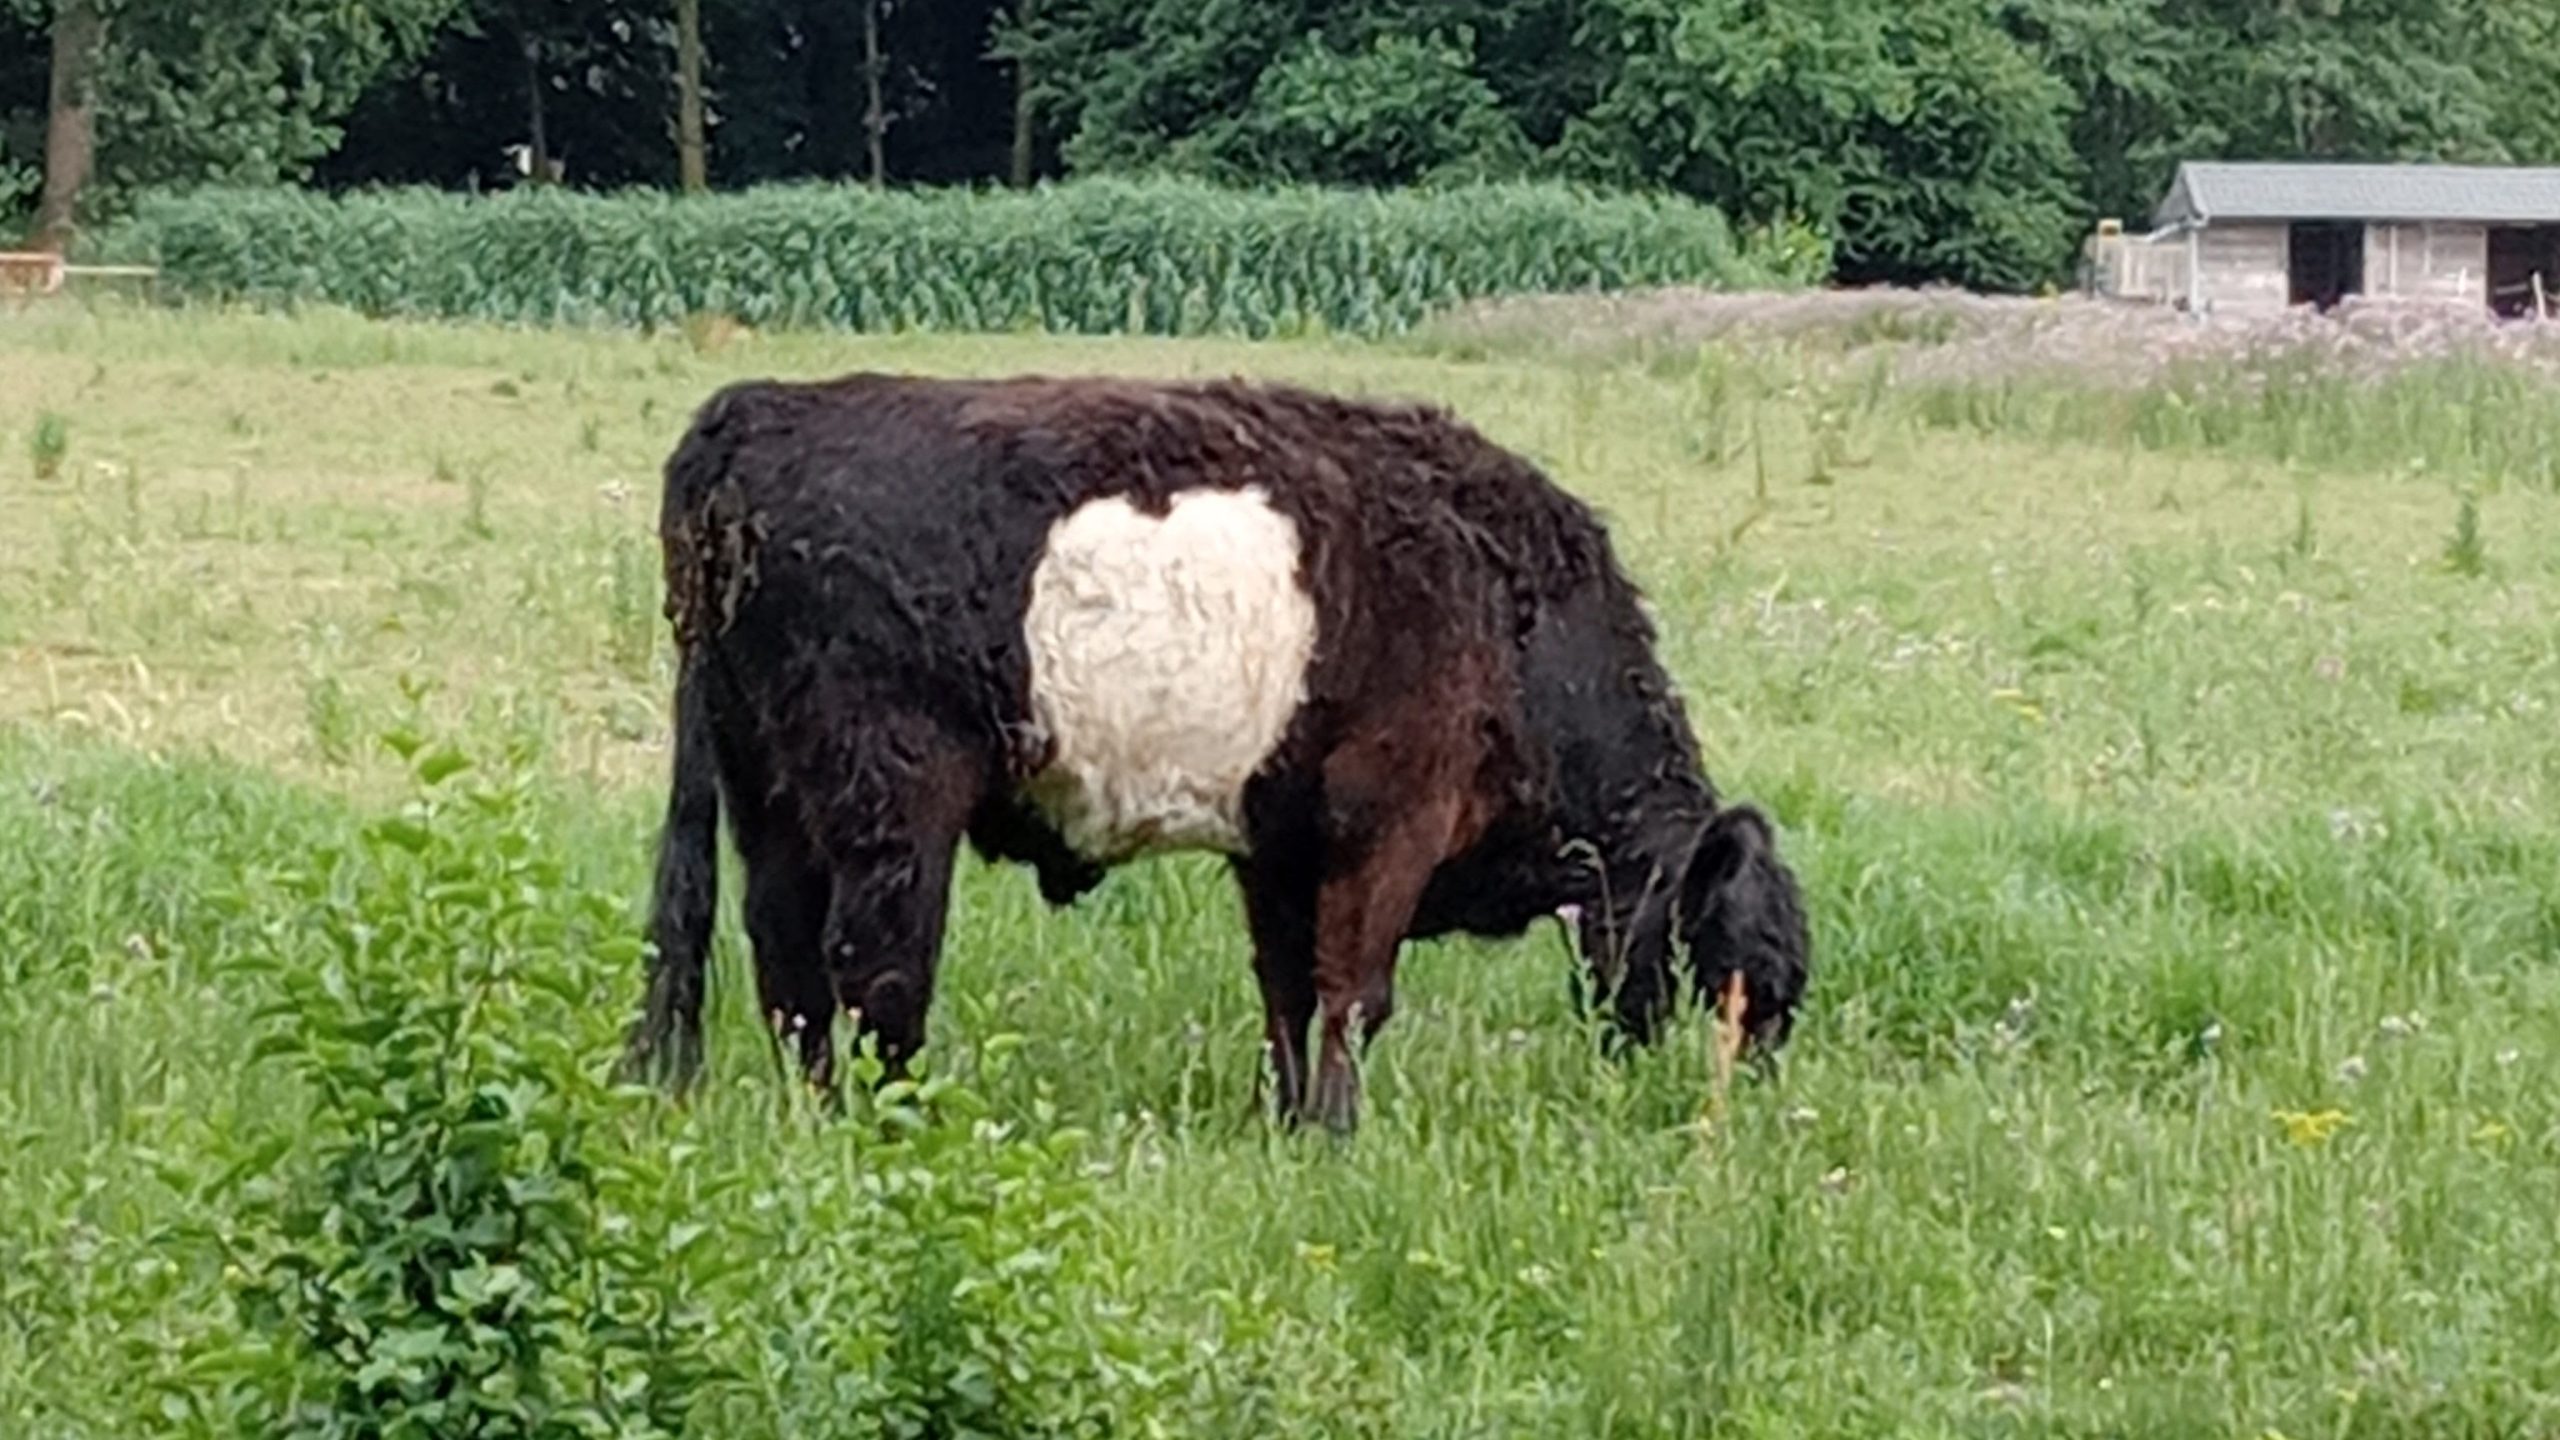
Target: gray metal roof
point(2210, 190)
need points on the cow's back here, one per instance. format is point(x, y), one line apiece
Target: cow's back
point(1138, 595)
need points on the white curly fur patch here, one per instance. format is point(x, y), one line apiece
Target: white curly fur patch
point(1168, 656)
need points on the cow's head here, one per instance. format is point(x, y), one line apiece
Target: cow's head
point(1739, 911)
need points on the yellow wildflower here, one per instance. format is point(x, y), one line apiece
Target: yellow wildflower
point(2017, 700)
point(2312, 1127)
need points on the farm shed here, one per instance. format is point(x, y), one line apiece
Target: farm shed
point(2242, 237)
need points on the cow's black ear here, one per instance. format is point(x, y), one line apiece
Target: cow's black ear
point(1726, 847)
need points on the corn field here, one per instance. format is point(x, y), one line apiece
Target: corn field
point(1162, 257)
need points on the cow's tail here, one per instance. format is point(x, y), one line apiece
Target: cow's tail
point(708, 537)
point(666, 1043)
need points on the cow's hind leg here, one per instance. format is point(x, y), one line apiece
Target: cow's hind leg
point(884, 938)
point(786, 913)
point(889, 836)
point(784, 907)
point(1280, 908)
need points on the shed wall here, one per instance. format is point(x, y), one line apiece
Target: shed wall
point(2432, 262)
point(2243, 267)
point(2136, 267)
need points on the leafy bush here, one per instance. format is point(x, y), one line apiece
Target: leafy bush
point(1092, 256)
point(451, 1222)
point(468, 1242)
point(936, 1271)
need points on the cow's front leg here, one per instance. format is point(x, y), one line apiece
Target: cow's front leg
point(1644, 993)
point(1362, 911)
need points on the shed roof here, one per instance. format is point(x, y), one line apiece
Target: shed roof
point(2208, 190)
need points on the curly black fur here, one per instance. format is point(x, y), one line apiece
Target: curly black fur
point(1487, 737)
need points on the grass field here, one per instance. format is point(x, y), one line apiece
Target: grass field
point(2175, 801)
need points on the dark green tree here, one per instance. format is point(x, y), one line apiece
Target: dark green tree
point(2126, 70)
point(2361, 79)
point(587, 88)
point(1138, 83)
point(1381, 93)
point(2518, 51)
point(1918, 131)
point(1939, 139)
point(1397, 111)
point(145, 92)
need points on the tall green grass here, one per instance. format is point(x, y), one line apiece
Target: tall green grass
point(2177, 826)
point(2101, 1129)
point(1091, 256)
point(2460, 417)
point(2443, 391)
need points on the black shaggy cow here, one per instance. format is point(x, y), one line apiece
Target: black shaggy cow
point(1384, 665)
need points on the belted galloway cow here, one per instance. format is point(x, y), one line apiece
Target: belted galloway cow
point(1385, 666)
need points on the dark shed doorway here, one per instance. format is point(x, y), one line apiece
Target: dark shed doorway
point(2519, 255)
point(2324, 263)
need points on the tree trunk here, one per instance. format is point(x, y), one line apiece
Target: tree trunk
point(538, 160)
point(1022, 110)
point(692, 169)
point(875, 118)
point(71, 123)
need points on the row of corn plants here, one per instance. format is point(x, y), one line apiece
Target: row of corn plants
point(1091, 256)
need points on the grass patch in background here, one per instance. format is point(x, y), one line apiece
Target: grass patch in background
point(2176, 821)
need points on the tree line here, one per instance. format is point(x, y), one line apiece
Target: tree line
point(1933, 140)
